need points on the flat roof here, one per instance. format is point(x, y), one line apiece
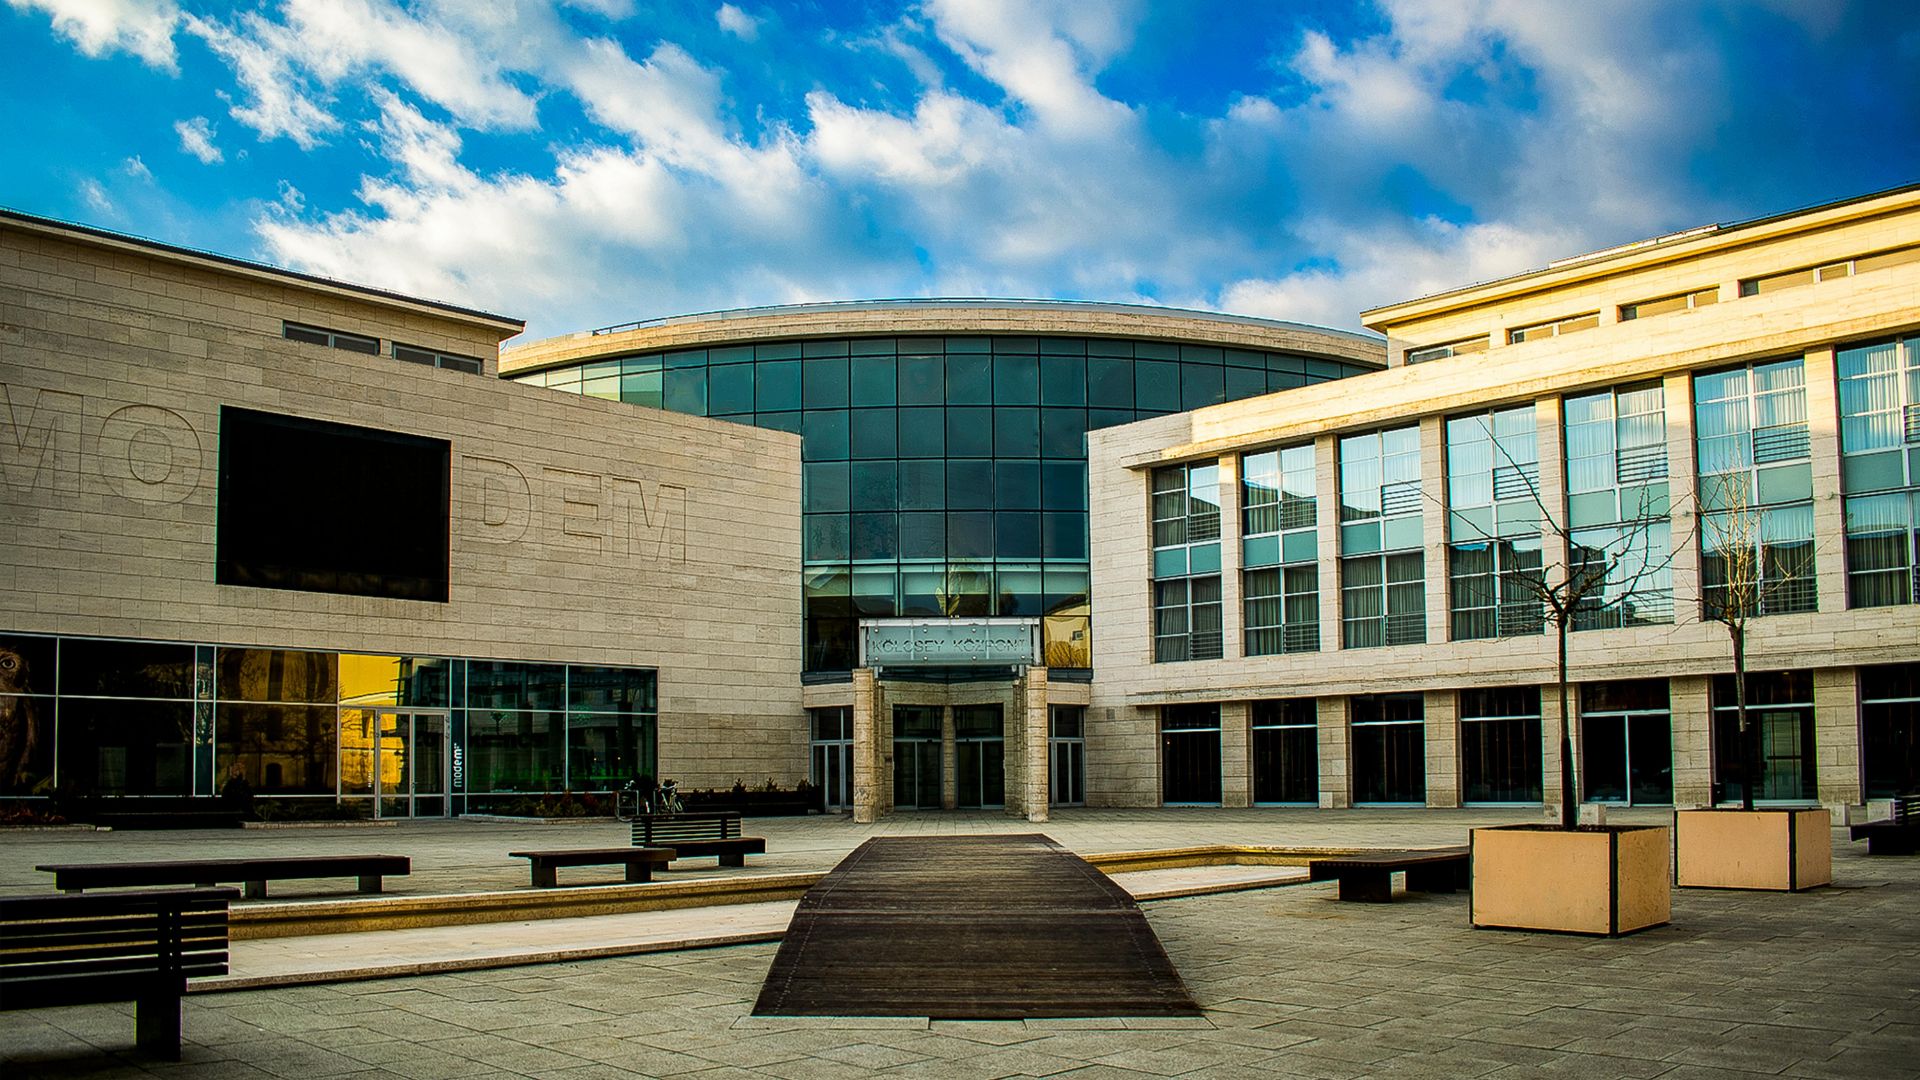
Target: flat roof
point(228, 263)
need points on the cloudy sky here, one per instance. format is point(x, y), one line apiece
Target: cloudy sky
point(597, 161)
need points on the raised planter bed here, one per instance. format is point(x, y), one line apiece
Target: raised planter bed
point(1599, 879)
point(1785, 849)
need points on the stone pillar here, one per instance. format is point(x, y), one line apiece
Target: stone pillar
point(1552, 798)
point(1013, 750)
point(1336, 787)
point(1441, 711)
point(1690, 706)
point(1038, 777)
point(1326, 513)
point(1836, 735)
point(866, 749)
point(1681, 485)
point(949, 761)
point(1232, 610)
point(1829, 517)
point(1433, 524)
point(1236, 772)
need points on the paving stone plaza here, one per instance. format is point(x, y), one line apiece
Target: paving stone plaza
point(1824, 983)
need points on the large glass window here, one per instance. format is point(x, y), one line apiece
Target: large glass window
point(1880, 470)
point(1626, 740)
point(1617, 506)
point(26, 713)
point(1286, 751)
point(126, 717)
point(1780, 706)
point(1190, 754)
point(1493, 524)
point(1279, 551)
point(1756, 489)
point(1389, 748)
point(1186, 563)
point(1500, 745)
point(1890, 729)
point(1382, 566)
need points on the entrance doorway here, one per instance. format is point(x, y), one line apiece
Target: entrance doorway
point(410, 777)
point(916, 757)
point(980, 745)
point(1626, 740)
point(833, 756)
point(1067, 755)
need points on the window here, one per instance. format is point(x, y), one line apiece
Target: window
point(1452, 348)
point(1554, 328)
point(1626, 740)
point(1279, 549)
point(1500, 745)
point(1190, 754)
point(1186, 562)
point(1780, 707)
point(1861, 264)
point(1686, 301)
point(337, 339)
point(1880, 470)
point(1493, 524)
point(452, 361)
point(1617, 505)
point(1389, 748)
point(1890, 729)
point(1286, 752)
point(1382, 566)
point(1756, 485)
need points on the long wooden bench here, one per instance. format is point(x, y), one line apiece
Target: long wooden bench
point(1369, 877)
point(639, 862)
point(1898, 834)
point(140, 947)
point(695, 835)
point(252, 873)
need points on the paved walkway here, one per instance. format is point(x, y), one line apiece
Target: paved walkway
point(1293, 983)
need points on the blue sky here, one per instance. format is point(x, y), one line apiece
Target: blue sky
point(586, 163)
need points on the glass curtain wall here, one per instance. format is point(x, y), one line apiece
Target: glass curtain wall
point(1279, 551)
point(1780, 704)
point(1383, 590)
point(1186, 563)
point(125, 713)
point(1756, 487)
point(1389, 748)
point(1890, 729)
point(1190, 755)
point(1617, 505)
point(1493, 524)
point(1880, 470)
point(943, 476)
point(28, 666)
point(1500, 750)
point(1626, 743)
point(1286, 752)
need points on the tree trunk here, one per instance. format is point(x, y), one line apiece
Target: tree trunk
point(1749, 734)
point(1569, 795)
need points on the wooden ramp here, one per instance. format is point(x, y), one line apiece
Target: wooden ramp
point(970, 928)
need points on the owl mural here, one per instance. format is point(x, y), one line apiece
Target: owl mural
point(19, 721)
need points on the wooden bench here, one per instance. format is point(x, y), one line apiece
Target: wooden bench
point(1369, 877)
point(1897, 834)
point(692, 836)
point(252, 873)
point(639, 862)
point(140, 947)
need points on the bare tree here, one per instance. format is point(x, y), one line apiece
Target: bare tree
point(1744, 577)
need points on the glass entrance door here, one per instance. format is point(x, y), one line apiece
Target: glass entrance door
point(833, 756)
point(980, 752)
point(1626, 743)
point(1067, 756)
point(410, 763)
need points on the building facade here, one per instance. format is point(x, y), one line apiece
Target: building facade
point(268, 527)
point(1346, 595)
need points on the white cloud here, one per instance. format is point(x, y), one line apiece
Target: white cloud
point(737, 22)
point(196, 138)
point(94, 194)
point(143, 28)
point(137, 169)
point(281, 100)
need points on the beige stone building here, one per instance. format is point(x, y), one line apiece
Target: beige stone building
point(1322, 596)
point(261, 525)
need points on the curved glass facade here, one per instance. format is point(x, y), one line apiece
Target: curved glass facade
point(943, 476)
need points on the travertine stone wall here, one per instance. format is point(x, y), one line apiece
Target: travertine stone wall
point(1836, 737)
point(582, 531)
point(1443, 748)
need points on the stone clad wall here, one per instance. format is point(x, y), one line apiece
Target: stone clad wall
point(582, 531)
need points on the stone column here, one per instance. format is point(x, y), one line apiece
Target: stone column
point(1442, 748)
point(949, 761)
point(1038, 778)
point(1336, 787)
point(866, 749)
point(1232, 611)
point(1681, 485)
point(1829, 517)
point(1836, 735)
point(1689, 704)
point(1013, 750)
point(1236, 772)
point(1326, 513)
point(1551, 796)
point(1433, 524)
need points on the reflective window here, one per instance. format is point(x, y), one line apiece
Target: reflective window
point(1618, 505)
point(1880, 470)
point(1756, 489)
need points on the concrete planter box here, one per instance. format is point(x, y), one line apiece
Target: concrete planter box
point(1601, 879)
point(1785, 849)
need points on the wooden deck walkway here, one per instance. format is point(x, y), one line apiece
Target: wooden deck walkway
point(970, 927)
